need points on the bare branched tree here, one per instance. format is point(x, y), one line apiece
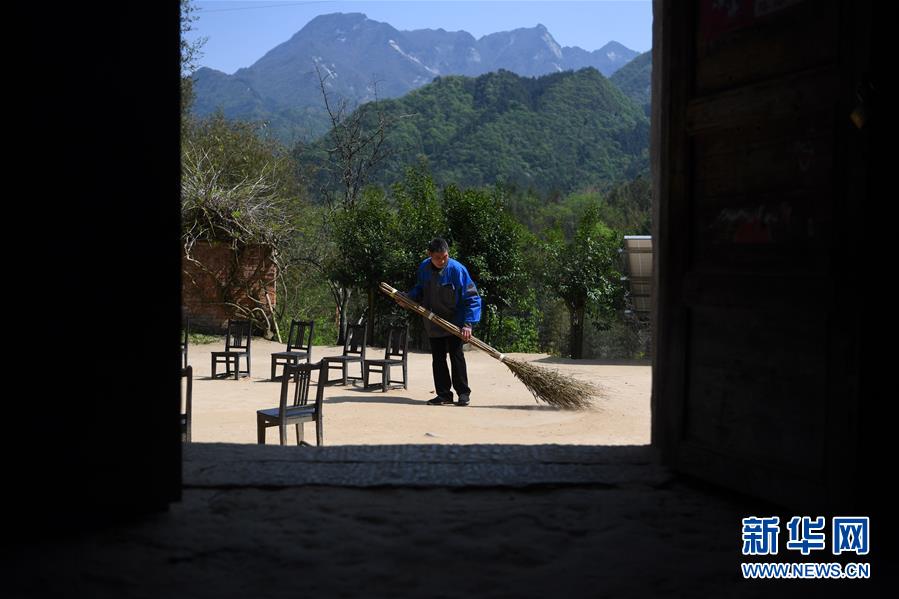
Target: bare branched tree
point(356, 146)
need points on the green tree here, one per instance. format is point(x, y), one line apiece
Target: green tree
point(239, 152)
point(490, 242)
point(420, 218)
point(584, 273)
point(190, 55)
point(632, 200)
point(420, 213)
point(368, 250)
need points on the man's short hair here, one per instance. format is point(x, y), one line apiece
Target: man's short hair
point(438, 245)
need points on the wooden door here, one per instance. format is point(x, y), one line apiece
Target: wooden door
point(760, 184)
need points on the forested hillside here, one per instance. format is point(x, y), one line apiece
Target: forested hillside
point(560, 132)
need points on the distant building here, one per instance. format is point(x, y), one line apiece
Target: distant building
point(637, 269)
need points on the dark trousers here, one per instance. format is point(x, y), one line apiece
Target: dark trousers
point(440, 347)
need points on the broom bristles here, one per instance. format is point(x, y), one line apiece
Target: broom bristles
point(553, 387)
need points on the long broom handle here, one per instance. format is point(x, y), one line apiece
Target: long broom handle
point(411, 305)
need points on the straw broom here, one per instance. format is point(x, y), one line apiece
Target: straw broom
point(552, 387)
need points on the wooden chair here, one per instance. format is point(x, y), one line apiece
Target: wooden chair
point(299, 345)
point(184, 349)
point(293, 407)
point(394, 355)
point(187, 393)
point(237, 346)
point(353, 351)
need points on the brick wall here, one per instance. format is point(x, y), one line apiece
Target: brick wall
point(227, 276)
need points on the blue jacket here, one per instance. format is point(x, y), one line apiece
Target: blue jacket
point(457, 288)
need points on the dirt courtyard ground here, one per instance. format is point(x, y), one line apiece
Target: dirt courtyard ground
point(502, 410)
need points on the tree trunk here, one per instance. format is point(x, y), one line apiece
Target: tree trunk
point(576, 317)
point(344, 296)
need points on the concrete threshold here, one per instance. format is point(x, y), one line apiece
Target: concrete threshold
point(223, 465)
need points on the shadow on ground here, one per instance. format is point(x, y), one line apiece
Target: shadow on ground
point(368, 397)
point(596, 362)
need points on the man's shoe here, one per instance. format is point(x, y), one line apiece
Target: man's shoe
point(463, 400)
point(440, 401)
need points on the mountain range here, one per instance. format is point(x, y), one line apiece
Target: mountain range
point(360, 60)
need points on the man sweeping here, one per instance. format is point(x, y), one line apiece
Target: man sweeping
point(445, 288)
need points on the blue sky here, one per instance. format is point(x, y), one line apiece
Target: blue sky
point(240, 32)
